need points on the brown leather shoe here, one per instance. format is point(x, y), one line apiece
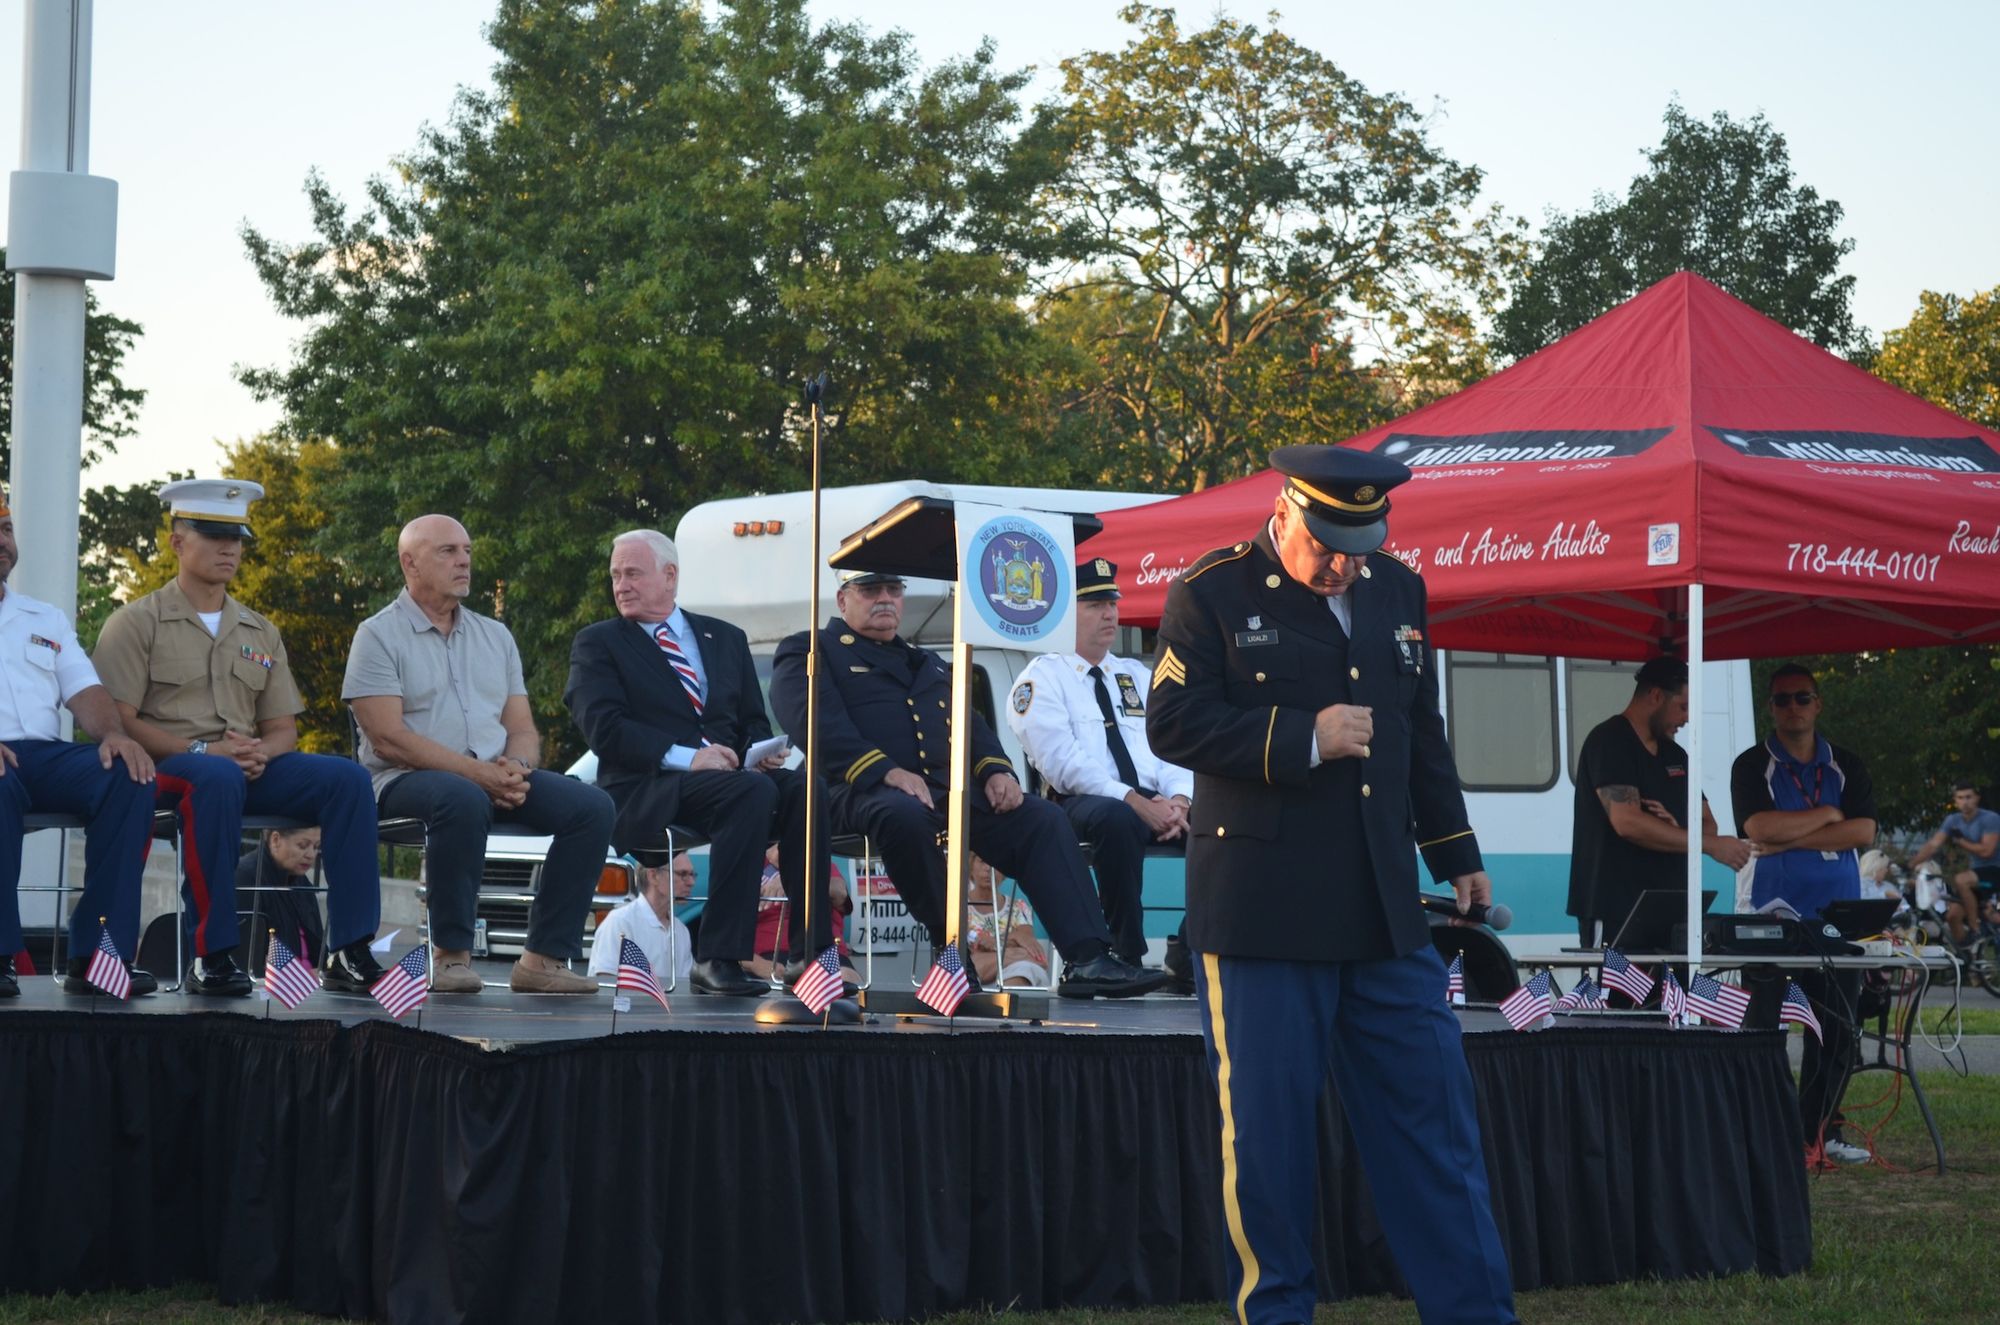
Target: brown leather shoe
point(455, 976)
point(528, 979)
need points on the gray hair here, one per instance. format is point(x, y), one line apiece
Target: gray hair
point(665, 554)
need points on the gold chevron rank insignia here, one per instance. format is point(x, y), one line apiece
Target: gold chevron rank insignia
point(1169, 668)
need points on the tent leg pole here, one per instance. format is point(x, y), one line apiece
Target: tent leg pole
point(1696, 745)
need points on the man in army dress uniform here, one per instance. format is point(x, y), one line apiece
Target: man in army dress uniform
point(1295, 678)
point(202, 682)
point(885, 746)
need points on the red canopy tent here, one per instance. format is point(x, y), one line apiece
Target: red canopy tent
point(1566, 505)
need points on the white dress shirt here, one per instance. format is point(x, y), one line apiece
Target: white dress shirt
point(636, 920)
point(42, 667)
point(1053, 711)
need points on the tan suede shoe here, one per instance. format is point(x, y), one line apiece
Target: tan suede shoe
point(538, 980)
point(455, 977)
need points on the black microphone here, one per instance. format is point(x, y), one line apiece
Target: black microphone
point(1496, 916)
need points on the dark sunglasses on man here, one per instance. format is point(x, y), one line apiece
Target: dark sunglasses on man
point(1787, 698)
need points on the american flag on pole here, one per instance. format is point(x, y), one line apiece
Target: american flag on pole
point(1797, 1009)
point(286, 978)
point(406, 984)
point(107, 969)
point(636, 973)
point(1673, 999)
point(1528, 1005)
point(1585, 995)
point(945, 987)
point(819, 985)
point(1626, 978)
point(1454, 980)
point(1719, 1003)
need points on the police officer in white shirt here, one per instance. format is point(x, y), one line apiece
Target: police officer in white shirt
point(1081, 721)
point(110, 784)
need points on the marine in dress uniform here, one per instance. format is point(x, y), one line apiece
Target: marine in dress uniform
point(885, 748)
point(1295, 678)
point(669, 701)
point(203, 683)
point(1081, 721)
point(109, 785)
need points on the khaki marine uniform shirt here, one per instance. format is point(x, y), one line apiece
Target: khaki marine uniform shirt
point(156, 655)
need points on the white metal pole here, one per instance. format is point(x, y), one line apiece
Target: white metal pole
point(1695, 746)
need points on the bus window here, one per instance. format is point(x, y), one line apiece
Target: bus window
point(1596, 691)
point(1500, 711)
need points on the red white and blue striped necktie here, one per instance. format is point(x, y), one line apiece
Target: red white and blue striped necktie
point(682, 668)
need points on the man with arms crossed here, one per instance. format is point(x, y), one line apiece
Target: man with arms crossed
point(446, 731)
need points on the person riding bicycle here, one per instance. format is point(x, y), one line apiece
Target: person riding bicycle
point(1977, 832)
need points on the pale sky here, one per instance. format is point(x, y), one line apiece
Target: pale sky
point(210, 113)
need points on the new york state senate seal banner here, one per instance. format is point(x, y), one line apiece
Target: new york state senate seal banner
point(1016, 578)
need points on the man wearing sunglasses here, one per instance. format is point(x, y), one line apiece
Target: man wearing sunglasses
point(1808, 808)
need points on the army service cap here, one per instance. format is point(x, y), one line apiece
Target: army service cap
point(218, 507)
point(1097, 580)
point(863, 577)
point(1343, 494)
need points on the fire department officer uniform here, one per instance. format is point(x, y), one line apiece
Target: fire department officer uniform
point(197, 682)
point(1302, 897)
point(1083, 727)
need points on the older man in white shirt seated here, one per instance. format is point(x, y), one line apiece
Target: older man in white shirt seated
point(1081, 721)
point(648, 920)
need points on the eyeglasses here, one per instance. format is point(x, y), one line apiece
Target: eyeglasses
point(1786, 698)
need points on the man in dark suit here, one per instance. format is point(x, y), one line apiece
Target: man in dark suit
point(885, 734)
point(669, 702)
point(1295, 679)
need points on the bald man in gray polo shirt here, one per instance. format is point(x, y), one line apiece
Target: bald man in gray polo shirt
point(447, 733)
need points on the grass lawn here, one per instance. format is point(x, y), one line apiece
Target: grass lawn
point(1892, 1246)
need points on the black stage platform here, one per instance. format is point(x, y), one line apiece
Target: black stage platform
point(513, 1161)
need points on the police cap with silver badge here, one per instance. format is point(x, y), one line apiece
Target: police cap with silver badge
point(1342, 494)
point(859, 578)
point(1097, 581)
point(218, 507)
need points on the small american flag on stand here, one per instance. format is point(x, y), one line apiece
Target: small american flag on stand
point(945, 987)
point(819, 985)
point(1673, 999)
point(1529, 1005)
point(1797, 1010)
point(286, 978)
point(1585, 995)
point(1454, 980)
point(107, 969)
point(636, 973)
point(1719, 1003)
point(1626, 978)
point(406, 984)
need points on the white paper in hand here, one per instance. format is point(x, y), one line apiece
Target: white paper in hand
point(758, 753)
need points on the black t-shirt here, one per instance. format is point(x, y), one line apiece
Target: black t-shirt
point(1607, 873)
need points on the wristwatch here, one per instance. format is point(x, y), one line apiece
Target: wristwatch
point(197, 747)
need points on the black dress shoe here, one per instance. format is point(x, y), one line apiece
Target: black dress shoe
point(352, 969)
point(77, 980)
point(718, 977)
point(9, 986)
point(219, 976)
point(1180, 965)
point(1109, 976)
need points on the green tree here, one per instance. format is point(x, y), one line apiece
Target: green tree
point(1949, 354)
point(1922, 718)
point(590, 300)
point(1258, 250)
point(1717, 198)
point(309, 595)
point(110, 408)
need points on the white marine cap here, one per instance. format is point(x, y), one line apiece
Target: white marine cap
point(218, 507)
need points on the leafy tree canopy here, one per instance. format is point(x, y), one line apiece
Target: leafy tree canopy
point(1949, 354)
point(590, 300)
point(1717, 198)
point(1244, 225)
point(110, 408)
